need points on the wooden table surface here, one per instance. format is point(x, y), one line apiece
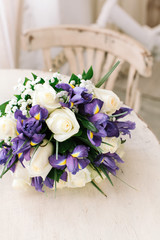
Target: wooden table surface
point(84, 213)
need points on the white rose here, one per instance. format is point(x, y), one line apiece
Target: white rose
point(110, 99)
point(45, 96)
point(21, 177)
point(79, 179)
point(114, 144)
point(63, 123)
point(39, 164)
point(7, 127)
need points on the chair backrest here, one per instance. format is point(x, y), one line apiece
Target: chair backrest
point(85, 46)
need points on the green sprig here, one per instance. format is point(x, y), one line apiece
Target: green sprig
point(104, 79)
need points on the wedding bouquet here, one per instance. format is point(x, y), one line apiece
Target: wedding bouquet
point(62, 132)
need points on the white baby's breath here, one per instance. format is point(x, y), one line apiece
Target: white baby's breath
point(57, 75)
point(88, 85)
point(79, 76)
point(72, 82)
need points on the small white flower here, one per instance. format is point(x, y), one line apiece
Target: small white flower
point(8, 109)
point(72, 82)
point(57, 75)
point(28, 84)
point(46, 79)
point(14, 108)
point(24, 112)
point(19, 80)
point(79, 76)
point(29, 101)
point(20, 101)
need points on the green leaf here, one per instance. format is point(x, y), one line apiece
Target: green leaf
point(96, 186)
point(26, 80)
point(18, 97)
point(118, 115)
point(1, 143)
point(88, 75)
point(97, 170)
point(53, 84)
point(55, 174)
point(79, 133)
point(35, 77)
point(65, 146)
point(106, 174)
point(87, 124)
point(107, 144)
point(123, 141)
point(5, 169)
point(3, 107)
point(75, 78)
point(104, 79)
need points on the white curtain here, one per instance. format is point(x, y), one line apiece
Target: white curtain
point(8, 28)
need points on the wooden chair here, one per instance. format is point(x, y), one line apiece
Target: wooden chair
point(85, 46)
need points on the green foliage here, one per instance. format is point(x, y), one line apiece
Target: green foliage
point(96, 186)
point(65, 146)
point(106, 174)
point(55, 174)
point(1, 144)
point(54, 83)
point(88, 75)
point(86, 124)
point(3, 107)
point(18, 97)
point(41, 80)
point(104, 79)
point(75, 78)
point(26, 80)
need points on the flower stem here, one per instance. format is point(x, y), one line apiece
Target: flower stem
point(56, 150)
point(104, 79)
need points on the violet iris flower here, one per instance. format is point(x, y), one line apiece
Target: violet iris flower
point(125, 127)
point(108, 161)
point(91, 108)
point(99, 120)
point(30, 127)
point(75, 161)
point(38, 182)
point(124, 111)
point(5, 155)
point(38, 112)
point(76, 95)
point(21, 147)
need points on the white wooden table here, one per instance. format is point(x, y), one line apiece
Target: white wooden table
point(84, 213)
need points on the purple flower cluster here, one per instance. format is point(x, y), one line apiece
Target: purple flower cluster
point(27, 136)
point(74, 161)
point(76, 95)
point(38, 182)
